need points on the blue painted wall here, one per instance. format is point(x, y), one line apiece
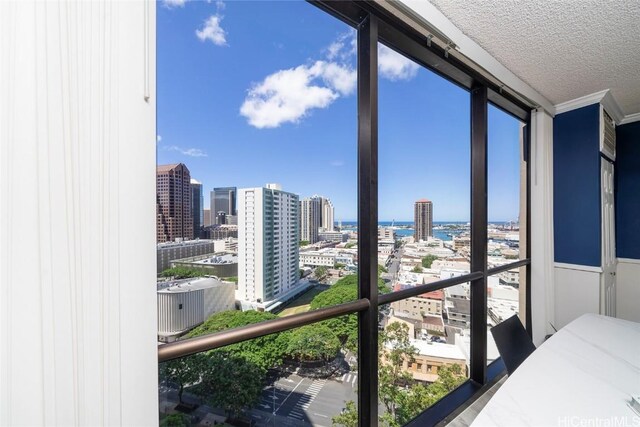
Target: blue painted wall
point(576, 186)
point(627, 174)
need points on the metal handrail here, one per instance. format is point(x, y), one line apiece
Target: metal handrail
point(508, 267)
point(429, 287)
point(191, 346)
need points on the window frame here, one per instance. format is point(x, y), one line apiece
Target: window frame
point(376, 24)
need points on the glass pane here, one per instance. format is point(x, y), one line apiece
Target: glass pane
point(250, 216)
point(506, 189)
point(300, 377)
point(245, 102)
point(424, 212)
point(422, 357)
point(506, 291)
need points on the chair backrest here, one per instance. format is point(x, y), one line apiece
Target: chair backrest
point(513, 342)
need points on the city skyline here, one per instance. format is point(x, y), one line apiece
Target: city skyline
point(212, 113)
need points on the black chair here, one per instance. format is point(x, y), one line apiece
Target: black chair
point(513, 342)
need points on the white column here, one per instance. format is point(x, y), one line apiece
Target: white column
point(542, 273)
point(77, 213)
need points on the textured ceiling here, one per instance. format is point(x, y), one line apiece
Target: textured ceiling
point(563, 49)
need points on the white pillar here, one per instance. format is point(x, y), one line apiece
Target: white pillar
point(542, 274)
point(77, 213)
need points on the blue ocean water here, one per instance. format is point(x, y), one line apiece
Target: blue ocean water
point(407, 228)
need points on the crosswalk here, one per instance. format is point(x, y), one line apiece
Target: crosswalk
point(305, 400)
point(351, 378)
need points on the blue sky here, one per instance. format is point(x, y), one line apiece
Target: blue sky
point(255, 92)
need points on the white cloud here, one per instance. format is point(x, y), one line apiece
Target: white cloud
point(173, 3)
point(220, 5)
point(158, 138)
point(192, 152)
point(337, 163)
point(394, 66)
point(288, 95)
point(344, 47)
point(213, 31)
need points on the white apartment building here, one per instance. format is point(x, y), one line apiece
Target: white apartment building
point(327, 214)
point(268, 244)
point(327, 257)
point(310, 218)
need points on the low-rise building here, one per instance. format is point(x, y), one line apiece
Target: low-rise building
point(386, 233)
point(430, 357)
point(219, 264)
point(333, 236)
point(183, 305)
point(167, 252)
point(416, 307)
point(317, 258)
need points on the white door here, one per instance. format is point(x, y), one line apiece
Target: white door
point(608, 292)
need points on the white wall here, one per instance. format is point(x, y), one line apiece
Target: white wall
point(577, 291)
point(628, 289)
point(77, 213)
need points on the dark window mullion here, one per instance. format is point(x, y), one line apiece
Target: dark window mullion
point(479, 115)
point(368, 220)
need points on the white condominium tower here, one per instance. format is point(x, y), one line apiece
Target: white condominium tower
point(267, 243)
point(316, 213)
point(310, 218)
point(327, 215)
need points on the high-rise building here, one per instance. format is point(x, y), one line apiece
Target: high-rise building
point(310, 218)
point(327, 215)
point(223, 199)
point(197, 207)
point(268, 237)
point(173, 200)
point(207, 217)
point(423, 220)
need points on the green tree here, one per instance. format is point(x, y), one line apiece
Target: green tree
point(313, 342)
point(304, 242)
point(395, 348)
point(381, 269)
point(417, 269)
point(344, 290)
point(184, 371)
point(231, 383)
point(265, 352)
point(233, 279)
point(344, 327)
point(350, 245)
point(348, 417)
point(339, 265)
point(428, 260)
point(320, 272)
point(182, 272)
point(175, 420)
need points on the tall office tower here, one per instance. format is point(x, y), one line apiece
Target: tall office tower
point(310, 218)
point(327, 215)
point(223, 199)
point(268, 253)
point(423, 220)
point(197, 207)
point(173, 199)
point(207, 217)
point(221, 218)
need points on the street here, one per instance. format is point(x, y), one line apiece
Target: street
point(299, 401)
point(289, 400)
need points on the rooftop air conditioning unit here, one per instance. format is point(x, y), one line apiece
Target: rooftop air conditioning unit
point(607, 135)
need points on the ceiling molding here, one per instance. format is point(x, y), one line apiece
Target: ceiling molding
point(630, 118)
point(603, 97)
